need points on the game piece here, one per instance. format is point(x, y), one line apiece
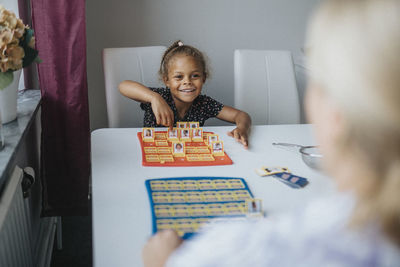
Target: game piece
point(197, 134)
point(173, 135)
point(212, 138)
point(195, 148)
point(184, 134)
point(182, 124)
point(178, 149)
point(254, 207)
point(187, 203)
point(194, 124)
point(266, 171)
point(148, 134)
point(217, 148)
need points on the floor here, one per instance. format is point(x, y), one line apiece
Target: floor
point(77, 243)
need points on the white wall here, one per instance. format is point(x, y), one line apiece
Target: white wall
point(216, 27)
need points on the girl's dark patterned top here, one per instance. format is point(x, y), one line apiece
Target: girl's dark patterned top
point(203, 108)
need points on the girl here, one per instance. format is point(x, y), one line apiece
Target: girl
point(183, 70)
point(353, 100)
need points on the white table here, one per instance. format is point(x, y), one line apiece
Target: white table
point(120, 204)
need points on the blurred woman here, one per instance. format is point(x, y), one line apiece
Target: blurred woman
point(353, 100)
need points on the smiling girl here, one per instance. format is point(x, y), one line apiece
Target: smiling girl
point(184, 71)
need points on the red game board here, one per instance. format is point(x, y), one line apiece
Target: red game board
point(159, 153)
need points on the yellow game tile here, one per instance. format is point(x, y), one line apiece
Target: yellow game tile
point(181, 210)
point(221, 184)
point(210, 196)
point(152, 158)
point(212, 138)
point(198, 210)
point(189, 184)
point(194, 124)
point(226, 195)
point(207, 157)
point(166, 158)
point(181, 124)
point(205, 184)
point(178, 149)
point(203, 150)
point(158, 185)
point(193, 157)
point(160, 197)
point(191, 150)
point(242, 194)
point(148, 134)
point(185, 135)
point(197, 134)
point(150, 150)
point(161, 136)
point(185, 225)
point(194, 197)
point(177, 197)
point(236, 183)
point(173, 135)
point(164, 150)
point(163, 224)
point(161, 143)
point(163, 211)
point(215, 209)
point(217, 148)
point(174, 185)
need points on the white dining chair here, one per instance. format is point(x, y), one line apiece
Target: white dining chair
point(139, 64)
point(265, 86)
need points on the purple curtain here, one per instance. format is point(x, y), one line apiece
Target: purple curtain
point(60, 32)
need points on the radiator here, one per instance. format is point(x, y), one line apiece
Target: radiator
point(15, 233)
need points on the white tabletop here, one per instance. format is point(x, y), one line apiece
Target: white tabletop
point(120, 204)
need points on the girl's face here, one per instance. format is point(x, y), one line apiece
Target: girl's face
point(185, 78)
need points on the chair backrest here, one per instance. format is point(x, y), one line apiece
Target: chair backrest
point(139, 64)
point(265, 86)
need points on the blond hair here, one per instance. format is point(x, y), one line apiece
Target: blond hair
point(353, 49)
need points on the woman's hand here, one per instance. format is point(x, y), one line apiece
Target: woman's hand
point(159, 247)
point(240, 135)
point(162, 112)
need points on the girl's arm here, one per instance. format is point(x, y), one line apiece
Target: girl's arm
point(141, 93)
point(242, 121)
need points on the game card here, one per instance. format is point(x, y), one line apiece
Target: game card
point(212, 138)
point(194, 124)
point(185, 135)
point(148, 134)
point(178, 149)
point(173, 135)
point(265, 171)
point(217, 148)
point(182, 124)
point(254, 207)
point(197, 135)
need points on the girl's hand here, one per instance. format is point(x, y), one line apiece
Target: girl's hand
point(240, 135)
point(159, 247)
point(163, 113)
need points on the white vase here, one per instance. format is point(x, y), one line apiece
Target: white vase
point(8, 99)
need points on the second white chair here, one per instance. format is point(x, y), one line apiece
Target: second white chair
point(265, 86)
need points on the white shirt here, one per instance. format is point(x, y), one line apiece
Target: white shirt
point(318, 235)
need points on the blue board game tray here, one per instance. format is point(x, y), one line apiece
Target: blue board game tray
point(186, 203)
